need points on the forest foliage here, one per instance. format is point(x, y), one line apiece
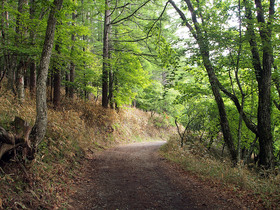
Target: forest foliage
point(210, 66)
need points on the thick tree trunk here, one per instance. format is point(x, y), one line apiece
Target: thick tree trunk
point(39, 129)
point(263, 76)
point(105, 71)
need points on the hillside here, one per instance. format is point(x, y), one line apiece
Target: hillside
point(74, 132)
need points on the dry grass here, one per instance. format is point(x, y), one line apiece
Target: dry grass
point(264, 192)
point(74, 132)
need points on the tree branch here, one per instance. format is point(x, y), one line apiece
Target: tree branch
point(131, 15)
point(183, 17)
point(235, 100)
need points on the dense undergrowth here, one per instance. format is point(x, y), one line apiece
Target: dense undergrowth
point(76, 130)
point(252, 186)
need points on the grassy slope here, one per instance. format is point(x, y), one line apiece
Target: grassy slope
point(76, 130)
point(255, 190)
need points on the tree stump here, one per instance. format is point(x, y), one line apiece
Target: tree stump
point(16, 140)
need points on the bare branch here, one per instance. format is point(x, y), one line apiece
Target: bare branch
point(131, 15)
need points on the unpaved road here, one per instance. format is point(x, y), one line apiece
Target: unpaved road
point(135, 177)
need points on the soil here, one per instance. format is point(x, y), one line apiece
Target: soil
point(135, 177)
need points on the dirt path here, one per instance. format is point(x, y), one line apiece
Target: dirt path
point(135, 177)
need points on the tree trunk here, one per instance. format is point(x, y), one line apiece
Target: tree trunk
point(20, 33)
point(32, 69)
point(67, 79)
point(111, 85)
point(11, 65)
point(202, 41)
point(263, 76)
point(56, 82)
point(72, 80)
point(39, 129)
point(20, 80)
point(105, 71)
point(32, 82)
point(3, 35)
point(10, 59)
point(72, 65)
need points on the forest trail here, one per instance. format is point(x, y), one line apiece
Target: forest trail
point(134, 176)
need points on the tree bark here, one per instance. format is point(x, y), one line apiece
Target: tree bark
point(3, 35)
point(105, 71)
point(67, 79)
point(20, 79)
point(56, 82)
point(72, 65)
point(39, 129)
point(22, 63)
point(263, 75)
point(32, 75)
point(9, 58)
point(32, 69)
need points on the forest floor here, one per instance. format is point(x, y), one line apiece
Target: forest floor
point(135, 176)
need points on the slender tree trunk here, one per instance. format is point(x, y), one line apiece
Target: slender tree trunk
point(72, 79)
point(56, 82)
point(32, 82)
point(239, 84)
point(56, 88)
point(105, 71)
point(51, 85)
point(20, 80)
point(67, 79)
point(116, 89)
point(10, 62)
point(8, 57)
point(3, 35)
point(72, 65)
point(39, 129)
point(201, 36)
point(32, 69)
point(111, 89)
point(20, 33)
point(111, 82)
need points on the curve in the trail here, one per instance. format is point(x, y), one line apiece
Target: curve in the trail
point(135, 177)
